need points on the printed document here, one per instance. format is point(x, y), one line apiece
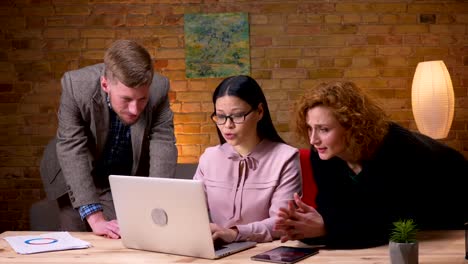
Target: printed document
point(54, 241)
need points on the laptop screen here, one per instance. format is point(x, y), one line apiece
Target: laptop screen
point(163, 215)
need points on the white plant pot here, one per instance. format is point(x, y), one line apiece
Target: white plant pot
point(403, 253)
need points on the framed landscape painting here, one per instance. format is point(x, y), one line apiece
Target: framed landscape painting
point(216, 45)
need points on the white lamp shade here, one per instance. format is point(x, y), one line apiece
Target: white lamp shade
point(432, 99)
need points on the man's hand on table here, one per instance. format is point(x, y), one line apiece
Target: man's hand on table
point(102, 227)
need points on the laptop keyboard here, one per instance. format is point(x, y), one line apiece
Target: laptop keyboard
point(219, 244)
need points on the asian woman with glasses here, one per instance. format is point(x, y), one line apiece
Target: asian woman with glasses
point(252, 172)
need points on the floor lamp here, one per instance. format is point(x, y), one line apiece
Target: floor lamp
point(432, 99)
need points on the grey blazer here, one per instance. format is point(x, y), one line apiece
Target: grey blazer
point(83, 124)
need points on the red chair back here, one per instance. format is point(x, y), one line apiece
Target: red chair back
point(309, 187)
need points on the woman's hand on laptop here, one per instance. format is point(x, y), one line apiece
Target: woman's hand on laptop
point(102, 227)
point(226, 234)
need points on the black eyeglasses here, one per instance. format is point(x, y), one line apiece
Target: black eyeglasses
point(235, 118)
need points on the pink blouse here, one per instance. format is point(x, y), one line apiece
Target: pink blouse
point(247, 192)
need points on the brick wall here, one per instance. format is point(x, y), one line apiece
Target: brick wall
point(294, 45)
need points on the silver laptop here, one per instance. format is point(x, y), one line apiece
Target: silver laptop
point(166, 215)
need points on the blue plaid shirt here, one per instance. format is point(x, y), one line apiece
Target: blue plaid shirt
point(117, 158)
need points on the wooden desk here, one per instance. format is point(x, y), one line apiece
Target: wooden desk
point(435, 247)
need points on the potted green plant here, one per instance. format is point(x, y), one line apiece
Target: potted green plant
point(403, 246)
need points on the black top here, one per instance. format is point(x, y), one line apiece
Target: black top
point(410, 176)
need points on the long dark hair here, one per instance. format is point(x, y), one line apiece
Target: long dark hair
point(247, 89)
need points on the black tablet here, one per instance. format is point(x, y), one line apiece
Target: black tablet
point(285, 255)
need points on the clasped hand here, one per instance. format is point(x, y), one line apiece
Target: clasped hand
point(299, 221)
